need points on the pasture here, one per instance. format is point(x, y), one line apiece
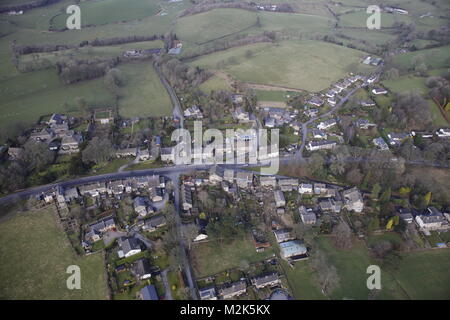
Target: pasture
point(203, 27)
point(303, 64)
point(215, 83)
point(213, 257)
point(109, 11)
point(143, 94)
point(27, 96)
point(434, 58)
point(358, 19)
point(35, 255)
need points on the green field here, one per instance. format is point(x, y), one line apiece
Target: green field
point(100, 12)
point(143, 93)
point(215, 83)
point(424, 275)
point(301, 281)
point(434, 58)
point(296, 64)
point(27, 96)
point(211, 258)
point(213, 24)
point(35, 255)
point(359, 19)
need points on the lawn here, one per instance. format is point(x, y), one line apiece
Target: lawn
point(108, 11)
point(210, 258)
point(425, 275)
point(305, 65)
point(301, 281)
point(143, 94)
point(35, 260)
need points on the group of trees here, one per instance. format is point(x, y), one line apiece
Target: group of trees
point(98, 150)
point(182, 76)
point(79, 70)
point(35, 157)
point(440, 87)
point(410, 110)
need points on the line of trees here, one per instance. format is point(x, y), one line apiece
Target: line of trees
point(27, 6)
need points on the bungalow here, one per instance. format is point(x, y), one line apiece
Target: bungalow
point(288, 184)
point(316, 101)
point(57, 118)
point(148, 293)
point(311, 112)
point(154, 223)
point(236, 289)
point(368, 103)
point(268, 181)
point(396, 139)
point(380, 143)
point(269, 122)
point(241, 115)
point(372, 79)
point(353, 200)
point(116, 187)
point(71, 194)
point(431, 220)
point(186, 197)
point(96, 229)
point(330, 93)
point(244, 179)
point(45, 135)
point(319, 145)
point(14, 153)
point(307, 215)
point(128, 246)
point(406, 215)
point(127, 152)
point(193, 112)
point(228, 175)
point(167, 154)
point(364, 124)
point(283, 235)
point(292, 248)
point(70, 143)
point(237, 98)
point(318, 134)
point(443, 133)
point(305, 188)
point(208, 293)
point(326, 124)
point(330, 205)
point(215, 175)
point(279, 198)
point(378, 91)
point(268, 280)
point(93, 189)
point(142, 206)
point(332, 101)
point(141, 269)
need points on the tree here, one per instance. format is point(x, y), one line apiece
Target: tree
point(326, 275)
point(375, 191)
point(342, 236)
point(354, 176)
point(36, 155)
point(97, 151)
point(386, 195)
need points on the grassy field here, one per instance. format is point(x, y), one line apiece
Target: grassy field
point(304, 65)
point(213, 24)
point(424, 275)
point(143, 92)
point(35, 255)
point(211, 258)
point(434, 58)
point(301, 281)
point(109, 11)
point(215, 83)
point(351, 266)
point(26, 97)
point(359, 19)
